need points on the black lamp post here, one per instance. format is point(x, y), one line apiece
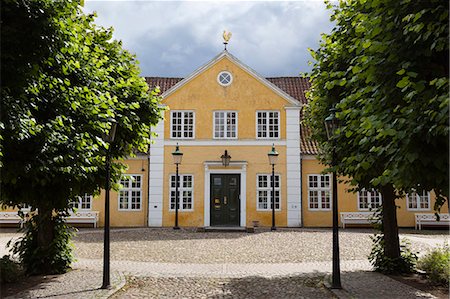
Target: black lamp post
point(106, 269)
point(273, 157)
point(331, 124)
point(225, 159)
point(177, 157)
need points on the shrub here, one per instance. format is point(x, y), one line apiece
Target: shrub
point(57, 258)
point(381, 263)
point(437, 265)
point(10, 270)
point(405, 264)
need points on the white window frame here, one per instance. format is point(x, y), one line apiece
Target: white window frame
point(183, 112)
point(225, 72)
point(269, 192)
point(78, 205)
point(370, 200)
point(319, 189)
point(130, 191)
point(419, 198)
point(267, 124)
point(225, 124)
point(180, 192)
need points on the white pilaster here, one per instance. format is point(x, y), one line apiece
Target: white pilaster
point(155, 201)
point(294, 204)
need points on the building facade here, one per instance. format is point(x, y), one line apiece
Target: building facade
point(225, 107)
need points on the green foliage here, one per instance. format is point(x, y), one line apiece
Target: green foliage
point(10, 270)
point(407, 261)
point(62, 78)
point(437, 265)
point(384, 264)
point(57, 257)
point(58, 89)
point(385, 66)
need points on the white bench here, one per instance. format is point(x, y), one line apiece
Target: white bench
point(11, 218)
point(357, 218)
point(83, 217)
point(430, 219)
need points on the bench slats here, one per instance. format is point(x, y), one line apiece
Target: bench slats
point(78, 217)
point(430, 219)
point(357, 218)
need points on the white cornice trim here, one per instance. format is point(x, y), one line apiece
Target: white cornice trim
point(218, 142)
point(253, 73)
point(308, 157)
point(219, 163)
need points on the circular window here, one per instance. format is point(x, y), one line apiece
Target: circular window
point(225, 78)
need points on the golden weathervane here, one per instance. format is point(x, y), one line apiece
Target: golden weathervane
point(226, 37)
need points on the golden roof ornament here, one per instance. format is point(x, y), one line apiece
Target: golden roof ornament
point(226, 37)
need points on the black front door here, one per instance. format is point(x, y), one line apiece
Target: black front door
point(225, 199)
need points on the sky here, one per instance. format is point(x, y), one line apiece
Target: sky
point(174, 38)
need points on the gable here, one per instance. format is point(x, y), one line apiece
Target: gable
point(226, 61)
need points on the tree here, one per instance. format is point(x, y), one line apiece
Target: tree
point(385, 68)
point(62, 78)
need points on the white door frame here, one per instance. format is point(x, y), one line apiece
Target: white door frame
point(243, 187)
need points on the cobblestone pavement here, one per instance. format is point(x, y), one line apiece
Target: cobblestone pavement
point(188, 246)
point(145, 269)
point(78, 283)
point(162, 263)
point(215, 288)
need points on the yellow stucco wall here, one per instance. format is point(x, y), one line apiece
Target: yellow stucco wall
point(245, 95)
point(348, 201)
point(193, 158)
point(125, 218)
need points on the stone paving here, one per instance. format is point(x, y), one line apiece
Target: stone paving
point(161, 263)
point(145, 269)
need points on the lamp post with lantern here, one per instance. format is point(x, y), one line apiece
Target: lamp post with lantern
point(273, 158)
point(177, 157)
point(106, 242)
point(331, 125)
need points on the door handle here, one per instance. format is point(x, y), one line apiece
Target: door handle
point(224, 200)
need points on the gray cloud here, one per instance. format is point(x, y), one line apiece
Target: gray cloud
point(175, 38)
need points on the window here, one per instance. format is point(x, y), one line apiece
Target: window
point(418, 200)
point(185, 192)
point(267, 125)
point(130, 195)
point(225, 124)
point(368, 200)
point(319, 192)
point(83, 203)
point(182, 124)
point(224, 78)
point(264, 192)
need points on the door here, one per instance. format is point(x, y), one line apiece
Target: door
point(225, 199)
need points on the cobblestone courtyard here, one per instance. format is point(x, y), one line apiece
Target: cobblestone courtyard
point(162, 263)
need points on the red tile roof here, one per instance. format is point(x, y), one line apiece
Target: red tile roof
point(164, 83)
point(308, 146)
point(294, 86)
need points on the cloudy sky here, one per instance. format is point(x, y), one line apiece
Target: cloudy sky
point(173, 38)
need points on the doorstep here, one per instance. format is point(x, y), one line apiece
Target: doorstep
point(225, 229)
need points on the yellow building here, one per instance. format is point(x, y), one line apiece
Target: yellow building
point(226, 108)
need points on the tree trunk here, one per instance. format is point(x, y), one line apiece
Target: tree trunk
point(45, 234)
point(390, 228)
